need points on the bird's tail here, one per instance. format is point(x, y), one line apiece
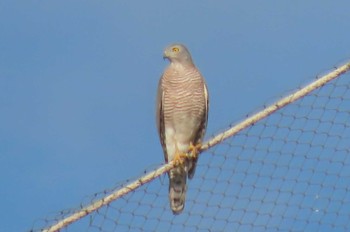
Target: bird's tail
point(177, 189)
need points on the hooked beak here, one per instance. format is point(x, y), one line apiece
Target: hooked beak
point(165, 55)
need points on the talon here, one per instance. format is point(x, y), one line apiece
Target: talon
point(179, 158)
point(194, 150)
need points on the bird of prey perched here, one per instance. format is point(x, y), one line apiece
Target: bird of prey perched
point(182, 115)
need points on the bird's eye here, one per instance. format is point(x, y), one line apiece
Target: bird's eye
point(175, 49)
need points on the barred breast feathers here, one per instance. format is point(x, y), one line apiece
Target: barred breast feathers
point(179, 99)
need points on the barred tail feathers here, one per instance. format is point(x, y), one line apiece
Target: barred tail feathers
point(177, 189)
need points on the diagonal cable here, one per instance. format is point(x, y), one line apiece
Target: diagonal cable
point(212, 142)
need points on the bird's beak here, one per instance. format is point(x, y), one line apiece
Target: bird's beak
point(165, 55)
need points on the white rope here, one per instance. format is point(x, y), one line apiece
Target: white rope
point(212, 142)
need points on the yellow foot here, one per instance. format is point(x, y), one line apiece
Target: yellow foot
point(194, 150)
point(179, 158)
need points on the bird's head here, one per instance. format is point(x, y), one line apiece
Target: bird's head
point(177, 53)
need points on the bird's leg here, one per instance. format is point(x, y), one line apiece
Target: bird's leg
point(179, 157)
point(194, 150)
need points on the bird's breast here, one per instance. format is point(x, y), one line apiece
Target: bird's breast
point(184, 101)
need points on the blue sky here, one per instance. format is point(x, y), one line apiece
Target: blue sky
point(78, 82)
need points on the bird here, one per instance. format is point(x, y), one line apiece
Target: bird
point(181, 118)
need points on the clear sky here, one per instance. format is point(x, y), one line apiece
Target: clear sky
point(78, 83)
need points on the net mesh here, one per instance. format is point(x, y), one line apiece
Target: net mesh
point(287, 172)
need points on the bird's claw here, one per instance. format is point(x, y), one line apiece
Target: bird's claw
point(192, 153)
point(179, 158)
point(194, 150)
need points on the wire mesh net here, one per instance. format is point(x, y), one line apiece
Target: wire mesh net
point(287, 172)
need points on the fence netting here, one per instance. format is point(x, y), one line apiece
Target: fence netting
point(288, 172)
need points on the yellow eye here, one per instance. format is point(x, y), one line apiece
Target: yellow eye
point(175, 49)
